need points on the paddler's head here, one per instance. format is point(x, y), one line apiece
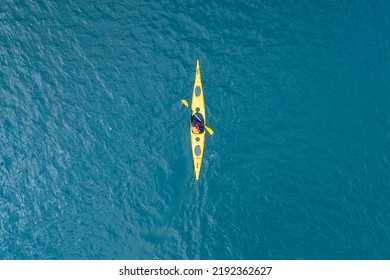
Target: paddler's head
point(196, 127)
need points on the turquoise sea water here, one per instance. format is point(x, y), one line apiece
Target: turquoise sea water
point(95, 159)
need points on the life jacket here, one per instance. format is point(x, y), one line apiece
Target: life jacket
point(197, 122)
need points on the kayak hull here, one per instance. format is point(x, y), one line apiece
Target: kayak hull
point(198, 106)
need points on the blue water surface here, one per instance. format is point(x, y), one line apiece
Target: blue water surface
point(95, 159)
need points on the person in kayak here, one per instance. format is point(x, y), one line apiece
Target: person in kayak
point(197, 126)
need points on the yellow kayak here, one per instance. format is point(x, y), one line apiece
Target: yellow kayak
point(198, 115)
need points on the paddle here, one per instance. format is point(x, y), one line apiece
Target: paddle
point(209, 130)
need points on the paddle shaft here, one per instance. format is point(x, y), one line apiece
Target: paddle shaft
point(196, 116)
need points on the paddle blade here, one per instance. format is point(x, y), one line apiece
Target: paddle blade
point(209, 130)
point(184, 102)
